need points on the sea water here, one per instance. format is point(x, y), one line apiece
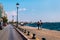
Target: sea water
point(50, 26)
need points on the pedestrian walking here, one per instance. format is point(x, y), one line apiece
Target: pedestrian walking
point(39, 24)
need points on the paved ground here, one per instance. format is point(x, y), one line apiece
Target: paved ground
point(48, 34)
point(9, 33)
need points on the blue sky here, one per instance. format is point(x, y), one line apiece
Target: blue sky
point(33, 10)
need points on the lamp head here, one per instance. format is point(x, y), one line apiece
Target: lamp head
point(17, 4)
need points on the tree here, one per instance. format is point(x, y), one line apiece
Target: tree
point(5, 19)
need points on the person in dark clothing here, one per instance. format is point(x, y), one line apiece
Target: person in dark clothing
point(39, 24)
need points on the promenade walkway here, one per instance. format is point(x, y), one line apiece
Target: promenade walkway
point(48, 34)
point(9, 33)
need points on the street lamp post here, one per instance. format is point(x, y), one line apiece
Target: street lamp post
point(17, 5)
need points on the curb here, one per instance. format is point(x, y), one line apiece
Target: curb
point(23, 36)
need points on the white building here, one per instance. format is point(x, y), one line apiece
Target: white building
point(2, 12)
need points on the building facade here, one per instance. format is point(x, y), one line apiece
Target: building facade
point(2, 12)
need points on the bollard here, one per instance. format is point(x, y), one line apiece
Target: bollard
point(43, 39)
point(20, 28)
point(34, 36)
point(28, 33)
point(24, 31)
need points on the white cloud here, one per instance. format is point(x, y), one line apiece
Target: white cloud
point(22, 9)
point(10, 13)
point(14, 13)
